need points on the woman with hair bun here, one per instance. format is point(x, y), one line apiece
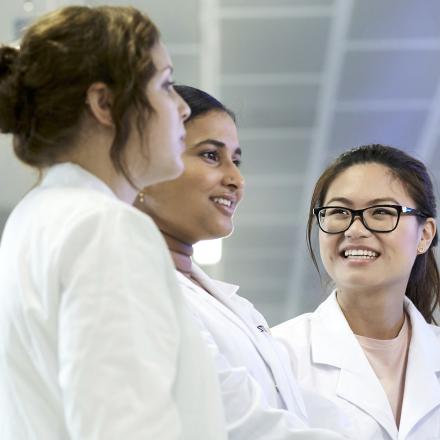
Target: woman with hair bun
point(372, 346)
point(95, 341)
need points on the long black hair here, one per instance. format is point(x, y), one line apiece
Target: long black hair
point(423, 287)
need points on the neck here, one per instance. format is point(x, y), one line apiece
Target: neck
point(377, 315)
point(114, 180)
point(92, 152)
point(180, 252)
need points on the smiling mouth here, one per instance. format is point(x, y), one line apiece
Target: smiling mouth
point(223, 202)
point(359, 254)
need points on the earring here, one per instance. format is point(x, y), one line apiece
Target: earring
point(420, 249)
point(141, 197)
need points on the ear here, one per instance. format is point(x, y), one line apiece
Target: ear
point(99, 99)
point(428, 232)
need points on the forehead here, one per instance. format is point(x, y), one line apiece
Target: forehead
point(160, 56)
point(366, 182)
point(217, 125)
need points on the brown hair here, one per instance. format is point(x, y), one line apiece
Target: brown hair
point(423, 287)
point(43, 84)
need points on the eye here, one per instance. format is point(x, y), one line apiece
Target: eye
point(237, 162)
point(382, 211)
point(337, 211)
point(168, 85)
point(210, 155)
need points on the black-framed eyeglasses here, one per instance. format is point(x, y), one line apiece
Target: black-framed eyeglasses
point(376, 218)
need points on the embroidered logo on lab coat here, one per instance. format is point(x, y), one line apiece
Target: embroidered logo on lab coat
point(263, 329)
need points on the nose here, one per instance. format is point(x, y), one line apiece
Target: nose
point(357, 229)
point(233, 177)
point(183, 108)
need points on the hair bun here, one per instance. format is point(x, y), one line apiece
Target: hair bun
point(8, 57)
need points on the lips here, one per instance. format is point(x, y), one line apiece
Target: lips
point(222, 201)
point(225, 203)
point(359, 253)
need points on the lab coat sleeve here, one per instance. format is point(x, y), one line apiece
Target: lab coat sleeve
point(118, 333)
point(247, 413)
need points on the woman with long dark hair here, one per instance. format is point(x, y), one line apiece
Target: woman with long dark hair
point(372, 346)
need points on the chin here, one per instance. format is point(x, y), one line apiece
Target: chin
point(227, 230)
point(218, 232)
point(358, 283)
point(163, 174)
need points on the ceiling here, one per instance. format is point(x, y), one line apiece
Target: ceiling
point(307, 79)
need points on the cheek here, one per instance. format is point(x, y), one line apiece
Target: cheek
point(201, 180)
point(405, 251)
point(326, 244)
point(404, 243)
point(399, 252)
point(328, 248)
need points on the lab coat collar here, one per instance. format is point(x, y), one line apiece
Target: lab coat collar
point(334, 344)
point(219, 289)
point(224, 293)
point(358, 382)
point(329, 324)
point(72, 175)
point(422, 384)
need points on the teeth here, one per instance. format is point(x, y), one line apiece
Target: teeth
point(360, 254)
point(222, 201)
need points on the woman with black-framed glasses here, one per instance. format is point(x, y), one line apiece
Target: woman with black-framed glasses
point(372, 346)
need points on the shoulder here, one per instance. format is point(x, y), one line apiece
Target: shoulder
point(418, 322)
point(297, 332)
point(298, 327)
point(294, 336)
point(73, 221)
point(435, 330)
point(76, 207)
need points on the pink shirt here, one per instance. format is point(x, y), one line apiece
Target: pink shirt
point(388, 358)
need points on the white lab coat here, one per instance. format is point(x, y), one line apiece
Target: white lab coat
point(326, 357)
point(260, 395)
point(95, 340)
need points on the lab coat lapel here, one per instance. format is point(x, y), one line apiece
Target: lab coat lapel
point(220, 291)
point(422, 383)
point(333, 343)
point(224, 293)
point(258, 334)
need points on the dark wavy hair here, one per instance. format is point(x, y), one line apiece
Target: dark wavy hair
point(43, 84)
point(423, 287)
point(201, 102)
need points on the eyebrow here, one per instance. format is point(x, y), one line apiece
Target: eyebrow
point(171, 68)
point(215, 143)
point(377, 201)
